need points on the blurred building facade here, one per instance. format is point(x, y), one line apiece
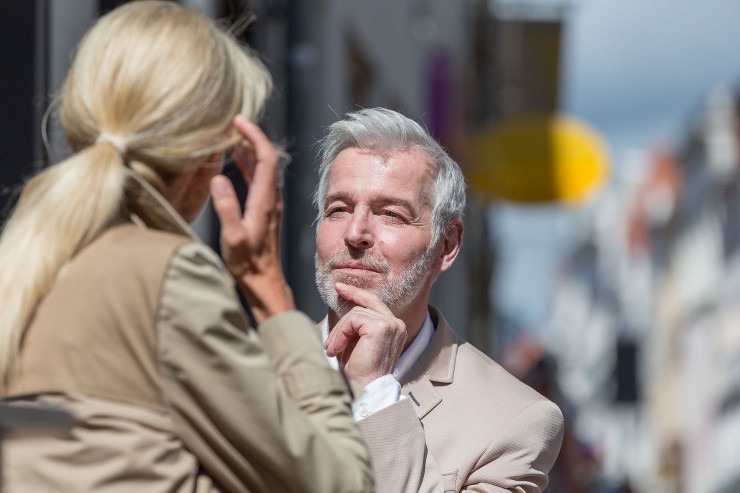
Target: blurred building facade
point(644, 326)
point(695, 380)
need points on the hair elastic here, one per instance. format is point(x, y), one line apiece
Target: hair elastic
point(114, 141)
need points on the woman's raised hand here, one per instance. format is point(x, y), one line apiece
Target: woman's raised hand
point(250, 241)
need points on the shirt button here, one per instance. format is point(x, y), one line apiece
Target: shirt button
point(363, 412)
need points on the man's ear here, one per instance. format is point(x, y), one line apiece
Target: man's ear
point(452, 241)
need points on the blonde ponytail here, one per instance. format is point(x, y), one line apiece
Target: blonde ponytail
point(48, 227)
point(154, 88)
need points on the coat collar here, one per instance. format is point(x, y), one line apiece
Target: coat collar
point(436, 365)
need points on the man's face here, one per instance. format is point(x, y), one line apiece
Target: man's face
point(376, 230)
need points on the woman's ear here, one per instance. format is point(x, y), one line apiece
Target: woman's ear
point(213, 164)
point(452, 241)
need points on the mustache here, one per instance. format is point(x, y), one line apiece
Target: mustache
point(364, 262)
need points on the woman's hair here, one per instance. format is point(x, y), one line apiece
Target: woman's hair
point(153, 87)
point(385, 131)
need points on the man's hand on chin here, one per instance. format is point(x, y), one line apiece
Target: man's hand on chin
point(369, 339)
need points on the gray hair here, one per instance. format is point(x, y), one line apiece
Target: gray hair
point(385, 131)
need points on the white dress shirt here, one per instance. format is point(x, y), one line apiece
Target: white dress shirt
point(386, 390)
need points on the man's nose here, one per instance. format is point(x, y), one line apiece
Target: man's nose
point(359, 231)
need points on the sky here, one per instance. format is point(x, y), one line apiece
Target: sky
point(638, 71)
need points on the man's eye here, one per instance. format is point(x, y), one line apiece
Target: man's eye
point(335, 211)
point(393, 215)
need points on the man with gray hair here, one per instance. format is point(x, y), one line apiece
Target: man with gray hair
point(437, 414)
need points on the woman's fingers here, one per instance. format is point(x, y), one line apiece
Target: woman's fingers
point(226, 205)
point(263, 198)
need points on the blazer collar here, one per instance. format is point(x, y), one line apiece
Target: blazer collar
point(435, 365)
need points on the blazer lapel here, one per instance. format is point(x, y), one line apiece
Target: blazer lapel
point(435, 365)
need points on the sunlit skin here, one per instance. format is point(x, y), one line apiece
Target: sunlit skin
point(379, 208)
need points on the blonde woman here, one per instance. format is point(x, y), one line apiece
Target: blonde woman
point(114, 312)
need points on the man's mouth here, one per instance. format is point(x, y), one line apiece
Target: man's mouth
point(356, 268)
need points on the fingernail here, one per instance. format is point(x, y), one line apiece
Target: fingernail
point(339, 285)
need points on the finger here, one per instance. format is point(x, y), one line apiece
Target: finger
point(345, 355)
point(333, 348)
point(258, 155)
point(263, 148)
point(362, 297)
point(340, 337)
point(226, 205)
point(263, 196)
point(336, 343)
point(245, 160)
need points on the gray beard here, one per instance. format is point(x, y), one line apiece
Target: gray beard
point(394, 293)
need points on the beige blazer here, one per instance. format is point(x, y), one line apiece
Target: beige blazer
point(466, 425)
point(143, 340)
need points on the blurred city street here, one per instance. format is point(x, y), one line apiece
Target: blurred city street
point(601, 143)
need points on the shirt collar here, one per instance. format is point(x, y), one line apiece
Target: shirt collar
point(408, 358)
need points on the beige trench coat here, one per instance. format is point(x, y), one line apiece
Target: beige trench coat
point(144, 341)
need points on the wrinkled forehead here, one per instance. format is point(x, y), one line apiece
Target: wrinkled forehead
point(406, 173)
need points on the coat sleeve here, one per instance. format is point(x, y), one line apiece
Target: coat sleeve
point(520, 458)
point(262, 412)
point(517, 460)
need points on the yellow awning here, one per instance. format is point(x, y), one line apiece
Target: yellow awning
point(539, 159)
